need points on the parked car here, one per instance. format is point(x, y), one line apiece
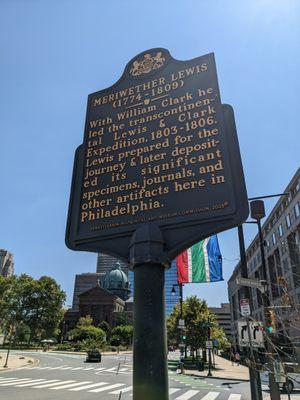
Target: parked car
point(288, 382)
point(93, 355)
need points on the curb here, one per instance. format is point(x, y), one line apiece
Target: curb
point(105, 353)
point(219, 377)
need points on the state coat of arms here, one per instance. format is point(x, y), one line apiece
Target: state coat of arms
point(147, 64)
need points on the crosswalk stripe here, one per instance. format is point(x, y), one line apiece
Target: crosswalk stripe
point(3, 377)
point(99, 369)
point(111, 369)
point(75, 369)
point(57, 367)
point(89, 386)
point(6, 379)
point(124, 369)
point(187, 395)
point(40, 383)
point(32, 382)
point(65, 368)
point(9, 380)
point(69, 385)
point(235, 396)
point(15, 381)
point(107, 388)
point(211, 396)
point(123, 390)
point(58, 382)
point(173, 390)
point(87, 369)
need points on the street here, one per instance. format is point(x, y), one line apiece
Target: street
point(67, 376)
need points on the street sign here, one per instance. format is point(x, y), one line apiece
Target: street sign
point(181, 324)
point(256, 333)
point(255, 283)
point(209, 344)
point(245, 307)
point(159, 148)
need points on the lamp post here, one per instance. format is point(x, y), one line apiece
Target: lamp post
point(181, 327)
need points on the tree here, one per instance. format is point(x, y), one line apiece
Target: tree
point(35, 303)
point(122, 335)
point(198, 320)
point(85, 321)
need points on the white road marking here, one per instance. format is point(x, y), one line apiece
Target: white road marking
point(234, 396)
point(58, 367)
point(34, 381)
point(187, 395)
point(211, 396)
point(69, 385)
point(107, 388)
point(89, 386)
point(66, 368)
point(110, 369)
point(15, 381)
point(173, 390)
point(99, 369)
point(123, 390)
point(75, 369)
point(58, 382)
point(87, 369)
point(124, 369)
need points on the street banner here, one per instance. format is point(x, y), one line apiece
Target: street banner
point(200, 263)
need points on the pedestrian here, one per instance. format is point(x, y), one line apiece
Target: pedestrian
point(232, 357)
point(237, 358)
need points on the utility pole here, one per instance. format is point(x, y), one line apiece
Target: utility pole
point(255, 382)
point(258, 212)
point(209, 350)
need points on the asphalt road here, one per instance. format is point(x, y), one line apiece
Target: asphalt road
point(68, 377)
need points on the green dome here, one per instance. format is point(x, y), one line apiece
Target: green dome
point(116, 280)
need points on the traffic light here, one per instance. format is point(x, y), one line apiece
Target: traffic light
point(271, 321)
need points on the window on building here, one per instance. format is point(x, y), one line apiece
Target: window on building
point(288, 220)
point(297, 210)
point(273, 238)
point(280, 230)
point(298, 186)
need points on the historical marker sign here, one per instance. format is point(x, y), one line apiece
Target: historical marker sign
point(159, 148)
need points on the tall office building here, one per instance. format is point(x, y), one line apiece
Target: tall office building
point(171, 299)
point(106, 263)
point(281, 234)
point(6, 263)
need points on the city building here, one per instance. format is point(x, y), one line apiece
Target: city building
point(84, 282)
point(223, 317)
point(281, 234)
point(6, 263)
point(104, 301)
point(105, 263)
point(171, 299)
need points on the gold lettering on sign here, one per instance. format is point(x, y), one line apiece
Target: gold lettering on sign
point(149, 143)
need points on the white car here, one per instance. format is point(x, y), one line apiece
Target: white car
point(288, 384)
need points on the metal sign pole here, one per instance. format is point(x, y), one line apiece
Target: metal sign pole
point(150, 372)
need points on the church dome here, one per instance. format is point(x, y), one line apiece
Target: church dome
point(116, 281)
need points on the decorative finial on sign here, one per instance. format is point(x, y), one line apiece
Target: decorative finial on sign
point(147, 64)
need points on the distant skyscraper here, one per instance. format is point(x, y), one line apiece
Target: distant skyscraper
point(106, 263)
point(6, 263)
point(84, 282)
point(170, 280)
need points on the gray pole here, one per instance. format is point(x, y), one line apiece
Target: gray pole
point(255, 382)
point(150, 372)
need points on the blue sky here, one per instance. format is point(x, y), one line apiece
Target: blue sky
point(54, 53)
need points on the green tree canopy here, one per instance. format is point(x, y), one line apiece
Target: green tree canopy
point(122, 335)
point(35, 303)
point(198, 320)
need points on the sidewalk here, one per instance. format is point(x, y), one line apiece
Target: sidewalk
point(16, 361)
point(224, 370)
